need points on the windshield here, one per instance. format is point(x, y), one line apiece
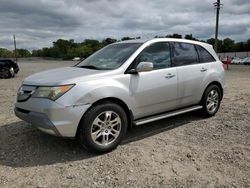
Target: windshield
point(110, 57)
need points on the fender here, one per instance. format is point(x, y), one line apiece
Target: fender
point(95, 90)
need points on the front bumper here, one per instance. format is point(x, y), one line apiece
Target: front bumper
point(50, 116)
point(40, 120)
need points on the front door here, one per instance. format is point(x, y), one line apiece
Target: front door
point(155, 91)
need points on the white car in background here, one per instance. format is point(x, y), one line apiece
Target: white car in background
point(236, 60)
point(246, 61)
point(76, 59)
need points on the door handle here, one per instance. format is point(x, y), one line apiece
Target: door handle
point(169, 75)
point(203, 69)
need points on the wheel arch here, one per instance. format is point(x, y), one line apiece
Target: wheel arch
point(217, 84)
point(115, 100)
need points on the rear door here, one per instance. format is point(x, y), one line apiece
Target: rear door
point(190, 71)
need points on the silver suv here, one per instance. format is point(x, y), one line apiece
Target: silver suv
point(125, 83)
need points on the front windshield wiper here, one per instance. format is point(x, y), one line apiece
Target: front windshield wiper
point(89, 67)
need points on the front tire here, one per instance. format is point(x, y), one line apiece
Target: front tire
point(211, 100)
point(103, 127)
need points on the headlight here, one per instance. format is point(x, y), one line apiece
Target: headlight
point(52, 93)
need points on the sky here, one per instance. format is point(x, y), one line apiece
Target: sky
point(37, 23)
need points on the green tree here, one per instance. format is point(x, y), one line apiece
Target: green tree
point(175, 35)
point(239, 47)
point(212, 41)
point(127, 38)
point(67, 49)
point(62, 46)
point(108, 41)
point(23, 52)
point(248, 45)
point(190, 37)
point(227, 45)
point(5, 53)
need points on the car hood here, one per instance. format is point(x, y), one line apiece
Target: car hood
point(59, 76)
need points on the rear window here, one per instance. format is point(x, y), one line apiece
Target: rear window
point(204, 55)
point(184, 54)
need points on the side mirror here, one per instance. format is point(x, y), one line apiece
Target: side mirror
point(144, 67)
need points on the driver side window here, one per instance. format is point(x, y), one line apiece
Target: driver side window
point(157, 53)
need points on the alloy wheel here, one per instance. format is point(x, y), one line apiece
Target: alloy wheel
point(106, 128)
point(212, 101)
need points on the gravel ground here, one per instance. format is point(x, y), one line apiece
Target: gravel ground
point(183, 151)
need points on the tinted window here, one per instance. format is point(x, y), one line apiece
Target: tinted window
point(158, 54)
point(204, 55)
point(184, 54)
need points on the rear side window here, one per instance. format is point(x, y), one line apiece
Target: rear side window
point(204, 55)
point(184, 54)
point(158, 54)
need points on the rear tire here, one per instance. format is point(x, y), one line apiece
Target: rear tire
point(103, 127)
point(211, 100)
point(5, 73)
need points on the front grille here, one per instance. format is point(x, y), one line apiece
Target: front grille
point(25, 92)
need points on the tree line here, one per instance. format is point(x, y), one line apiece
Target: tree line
point(68, 49)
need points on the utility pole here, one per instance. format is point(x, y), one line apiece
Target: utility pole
point(217, 5)
point(15, 48)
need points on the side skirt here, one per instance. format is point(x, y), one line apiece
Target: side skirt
point(166, 115)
